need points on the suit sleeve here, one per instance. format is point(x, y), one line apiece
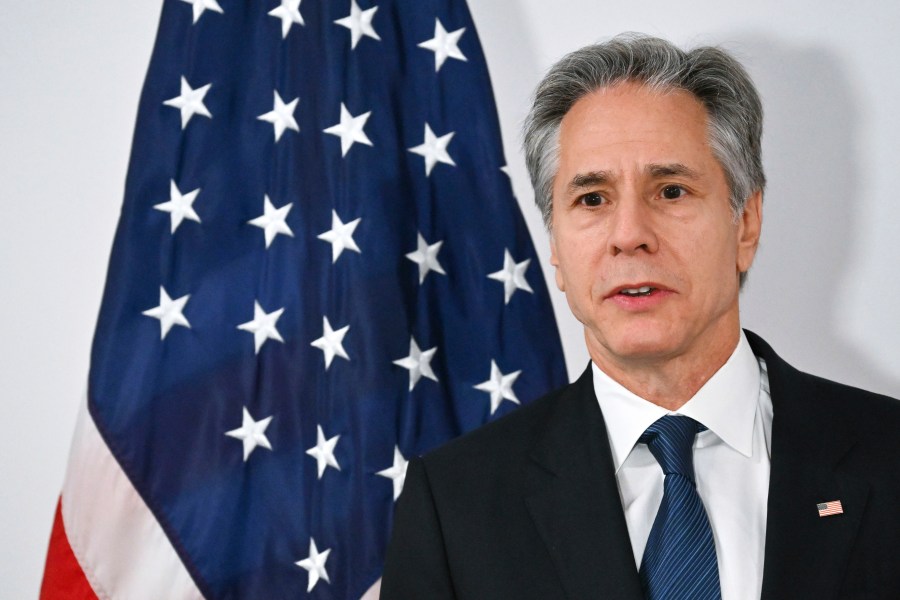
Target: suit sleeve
point(416, 564)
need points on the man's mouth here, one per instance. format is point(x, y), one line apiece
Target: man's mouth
point(644, 290)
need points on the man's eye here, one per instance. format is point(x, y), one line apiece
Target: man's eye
point(591, 199)
point(672, 192)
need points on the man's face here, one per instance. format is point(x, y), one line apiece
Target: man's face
point(643, 236)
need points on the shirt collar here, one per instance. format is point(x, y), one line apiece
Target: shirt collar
point(726, 405)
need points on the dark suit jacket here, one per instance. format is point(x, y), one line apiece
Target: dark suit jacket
point(528, 506)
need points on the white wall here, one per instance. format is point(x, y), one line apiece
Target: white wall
point(70, 76)
point(824, 291)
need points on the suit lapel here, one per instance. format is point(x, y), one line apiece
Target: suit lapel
point(577, 509)
point(803, 550)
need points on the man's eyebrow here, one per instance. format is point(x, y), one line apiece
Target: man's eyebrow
point(586, 180)
point(672, 169)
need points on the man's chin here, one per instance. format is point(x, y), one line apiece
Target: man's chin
point(644, 345)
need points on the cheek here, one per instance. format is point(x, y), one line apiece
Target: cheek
point(719, 257)
point(578, 273)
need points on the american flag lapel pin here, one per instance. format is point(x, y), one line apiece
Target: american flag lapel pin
point(826, 509)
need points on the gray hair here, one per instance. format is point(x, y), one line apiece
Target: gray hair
point(713, 76)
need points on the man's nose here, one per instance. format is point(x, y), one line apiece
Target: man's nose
point(632, 229)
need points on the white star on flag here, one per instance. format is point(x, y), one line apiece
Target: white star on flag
point(434, 149)
point(289, 13)
point(323, 451)
point(190, 102)
point(418, 363)
point(251, 433)
point(179, 206)
point(499, 386)
point(512, 275)
point(272, 221)
point(202, 5)
point(315, 564)
point(169, 312)
point(426, 257)
point(263, 325)
point(350, 129)
point(444, 45)
point(331, 342)
point(396, 472)
point(281, 116)
point(340, 236)
point(359, 22)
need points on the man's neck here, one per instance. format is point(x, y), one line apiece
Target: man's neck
point(668, 381)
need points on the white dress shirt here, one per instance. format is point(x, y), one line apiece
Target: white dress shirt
point(731, 463)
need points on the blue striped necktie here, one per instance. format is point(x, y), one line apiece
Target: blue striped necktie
point(680, 557)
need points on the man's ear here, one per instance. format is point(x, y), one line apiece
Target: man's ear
point(749, 229)
point(554, 260)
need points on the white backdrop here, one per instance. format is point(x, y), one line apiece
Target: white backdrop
point(824, 290)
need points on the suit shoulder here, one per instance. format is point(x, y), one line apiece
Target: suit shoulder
point(859, 405)
point(815, 394)
point(825, 411)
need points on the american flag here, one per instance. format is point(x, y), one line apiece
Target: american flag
point(320, 271)
point(830, 508)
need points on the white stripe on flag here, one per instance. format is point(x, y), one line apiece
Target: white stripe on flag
point(120, 546)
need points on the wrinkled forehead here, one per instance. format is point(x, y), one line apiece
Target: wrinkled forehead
point(636, 127)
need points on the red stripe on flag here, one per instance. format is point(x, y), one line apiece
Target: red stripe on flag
point(63, 577)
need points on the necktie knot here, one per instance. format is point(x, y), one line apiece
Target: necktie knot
point(671, 441)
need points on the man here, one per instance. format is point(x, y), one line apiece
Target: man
point(689, 460)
